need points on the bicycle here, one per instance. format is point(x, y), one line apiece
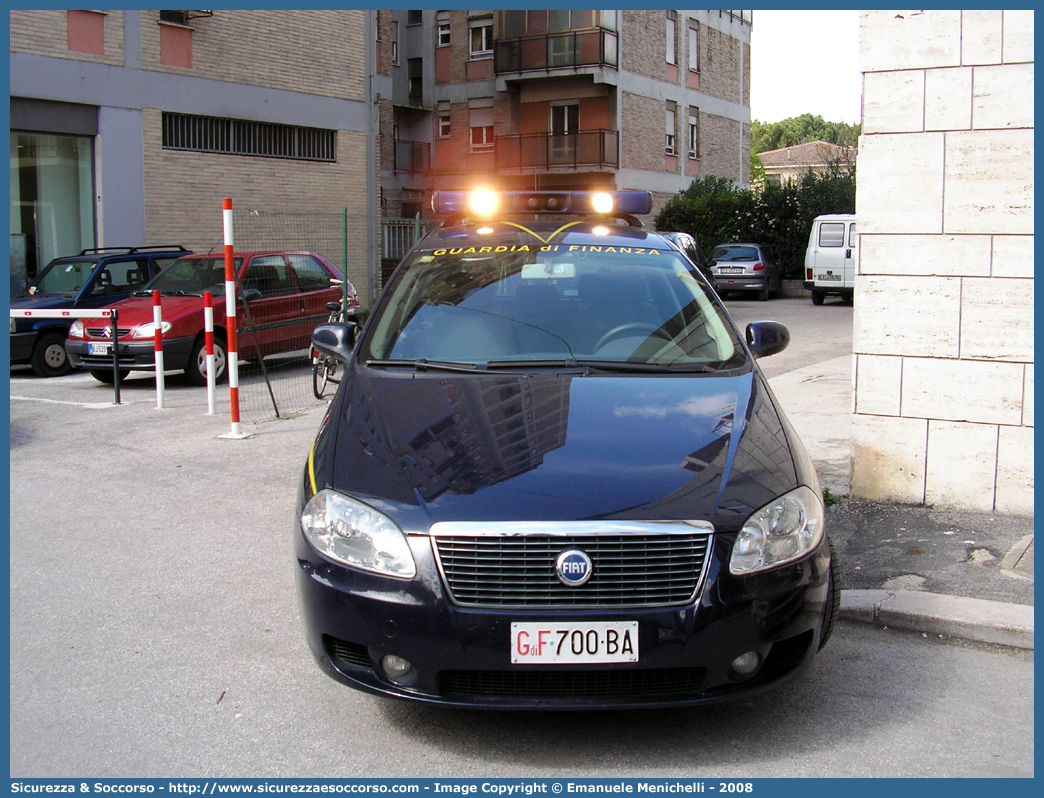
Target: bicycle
point(325, 368)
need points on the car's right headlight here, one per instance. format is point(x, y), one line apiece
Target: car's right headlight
point(782, 531)
point(76, 329)
point(354, 534)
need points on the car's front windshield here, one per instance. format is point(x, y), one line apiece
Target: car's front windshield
point(66, 277)
point(630, 305)
point(192, 276)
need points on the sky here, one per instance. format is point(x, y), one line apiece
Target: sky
point(805, 62)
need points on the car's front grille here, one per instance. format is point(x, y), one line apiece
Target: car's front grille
point(618, 683)
point(104, 332)
point(648, 565)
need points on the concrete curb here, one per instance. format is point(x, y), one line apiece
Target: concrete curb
point(932, 613)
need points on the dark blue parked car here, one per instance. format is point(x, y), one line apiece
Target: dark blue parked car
point(553, 476)
point(96, 278)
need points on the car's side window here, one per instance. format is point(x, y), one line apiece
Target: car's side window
point(311, 274)
point(119, 277)
point(832, 234)
point(853, 237)
point(270, 275)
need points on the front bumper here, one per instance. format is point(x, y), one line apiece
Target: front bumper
point(133, 355)
point(22, 345)
point(461, 656)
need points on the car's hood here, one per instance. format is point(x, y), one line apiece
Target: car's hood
point(42, 302)
point(137, 310)
point(446, 447)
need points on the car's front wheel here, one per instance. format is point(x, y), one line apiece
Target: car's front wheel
point(833, 599)
point(49, 358)
point(196, 370)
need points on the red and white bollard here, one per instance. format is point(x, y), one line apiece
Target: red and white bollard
point(208, 338)
point(157, 322)
point(230, 324)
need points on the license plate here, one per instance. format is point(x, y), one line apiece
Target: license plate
point(573, 643)
point(829, 277)
point(97, 349)
point(730, 269)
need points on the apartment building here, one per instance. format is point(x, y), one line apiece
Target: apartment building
point(561, 99)
point(129, 127)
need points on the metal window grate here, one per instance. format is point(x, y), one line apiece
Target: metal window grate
point(241, 137)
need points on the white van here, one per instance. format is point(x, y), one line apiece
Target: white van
point(831, 257)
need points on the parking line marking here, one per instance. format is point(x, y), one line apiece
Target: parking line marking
point(88, 405)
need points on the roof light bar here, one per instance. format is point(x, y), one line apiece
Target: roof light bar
point(485, 203)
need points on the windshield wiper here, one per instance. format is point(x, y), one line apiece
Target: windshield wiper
point(522, 365)
point(421, 364)
point(624, 366)
point(179, 292)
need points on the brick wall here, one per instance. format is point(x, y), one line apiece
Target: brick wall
point(642, 144)
point(313, 52)
point(184, 190)
point(720, 147)
point(384, 35)
point(720, 66)
point(47, 32)
point(943, 329)
point(643, 43)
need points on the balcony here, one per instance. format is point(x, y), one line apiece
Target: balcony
point(544, 151)
point(593, 47)
point(411, 156)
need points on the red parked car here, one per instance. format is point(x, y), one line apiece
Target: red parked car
point(286, 295)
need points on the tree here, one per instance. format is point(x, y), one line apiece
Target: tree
point(800, 130)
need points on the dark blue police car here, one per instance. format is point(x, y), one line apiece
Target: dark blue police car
point(554, 476)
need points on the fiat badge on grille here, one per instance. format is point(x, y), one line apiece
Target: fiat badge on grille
point(573, 568)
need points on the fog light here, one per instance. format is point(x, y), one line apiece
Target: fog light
point(743, 664)
point(396, 667)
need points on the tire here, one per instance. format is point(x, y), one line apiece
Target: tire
point(818, 297)
point(49, 358)
point(105, 375)
point(319, 377)
point(196, 370)
point(763, 294)
point(833, 599)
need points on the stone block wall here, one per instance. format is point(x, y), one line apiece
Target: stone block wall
point(943, 336)
point(46, 32)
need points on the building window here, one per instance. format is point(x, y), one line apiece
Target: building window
point(444, 33)
point(415, 75)
point(481, 123)
point(413, 17)
point(672, 54)
point(444, 129)
point(694, 133)
point(481, 44)
point(694, 46)
point(241, 137)
point(86, 31)
point(515, 24)
point(52, 200)
point(395, 43)
point(671, 114)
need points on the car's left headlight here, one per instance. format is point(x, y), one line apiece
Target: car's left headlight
point(784, 530)
point(350, 532)
point(149, 330)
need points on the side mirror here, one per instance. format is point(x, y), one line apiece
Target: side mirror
point(767, 338)
point(251, 295)
point(334, 340)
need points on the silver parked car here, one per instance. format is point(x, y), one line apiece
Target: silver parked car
point(744, 268)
